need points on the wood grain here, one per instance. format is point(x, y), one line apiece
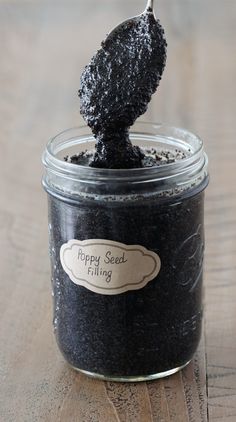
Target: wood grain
point(44, 46)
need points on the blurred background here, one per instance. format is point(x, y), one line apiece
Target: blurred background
point(46, 43)
point(44, 46)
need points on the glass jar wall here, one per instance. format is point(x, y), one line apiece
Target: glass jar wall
point(115, 315)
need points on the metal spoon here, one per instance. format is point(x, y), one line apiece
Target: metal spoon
point(150, 6)
point(149, 9)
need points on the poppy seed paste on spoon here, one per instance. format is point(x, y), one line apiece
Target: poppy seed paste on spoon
point(117, 86)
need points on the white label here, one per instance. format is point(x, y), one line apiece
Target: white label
point(108, 267)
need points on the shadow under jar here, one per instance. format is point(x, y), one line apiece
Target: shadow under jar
point(116, 316)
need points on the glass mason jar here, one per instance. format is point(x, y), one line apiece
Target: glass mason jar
point(126, 250)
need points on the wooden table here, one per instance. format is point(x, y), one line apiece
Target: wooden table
point(44, 46)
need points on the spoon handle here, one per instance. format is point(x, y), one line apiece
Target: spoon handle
point(150, 6)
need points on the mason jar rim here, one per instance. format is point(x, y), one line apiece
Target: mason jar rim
point(197, 159)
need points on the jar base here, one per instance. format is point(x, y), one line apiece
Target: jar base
point(139, 378)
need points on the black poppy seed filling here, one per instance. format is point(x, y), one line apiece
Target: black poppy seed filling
point(143, 332)
point(117, 86)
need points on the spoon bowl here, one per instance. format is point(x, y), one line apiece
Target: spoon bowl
point(149, 9)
